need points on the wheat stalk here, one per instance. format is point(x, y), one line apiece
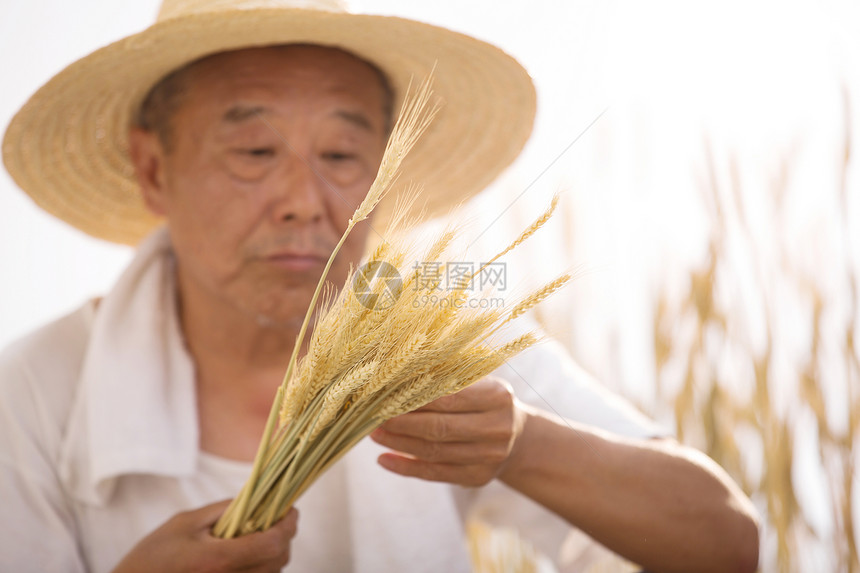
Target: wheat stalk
point(415, 115)
point(365, 365)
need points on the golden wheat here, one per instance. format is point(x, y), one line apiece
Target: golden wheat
point(367, 362)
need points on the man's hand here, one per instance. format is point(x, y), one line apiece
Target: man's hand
point(185, 543)
point(465, 438)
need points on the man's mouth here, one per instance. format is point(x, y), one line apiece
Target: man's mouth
point(297, 261)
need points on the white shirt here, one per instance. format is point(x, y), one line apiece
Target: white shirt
point(99, 446)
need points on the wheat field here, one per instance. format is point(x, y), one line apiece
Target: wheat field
point(744, 345)
point(749, 350)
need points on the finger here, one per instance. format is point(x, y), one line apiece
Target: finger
point(447, 427)
point(462, 453)
point(282, 534)
point(262, 548)
point(288, 526)
point(469, 475)
point(204, 517)
point(484, 394)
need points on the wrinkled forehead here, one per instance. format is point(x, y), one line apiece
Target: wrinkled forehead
point(294, 66)
point(226, 74)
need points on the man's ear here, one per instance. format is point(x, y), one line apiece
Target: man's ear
point(147, 155)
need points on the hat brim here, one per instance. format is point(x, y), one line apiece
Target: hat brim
point(67, 147)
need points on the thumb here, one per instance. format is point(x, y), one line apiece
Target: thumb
point(207, 515)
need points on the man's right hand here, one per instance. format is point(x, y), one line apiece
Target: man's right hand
point(185, 543)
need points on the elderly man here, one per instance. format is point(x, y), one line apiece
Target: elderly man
point(255, 131)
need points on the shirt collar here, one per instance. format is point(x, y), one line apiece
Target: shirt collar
point(135, 412)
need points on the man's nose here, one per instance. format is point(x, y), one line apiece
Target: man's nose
point(301, 193)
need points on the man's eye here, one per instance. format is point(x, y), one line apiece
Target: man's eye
point(338, 156)
point(258, 152)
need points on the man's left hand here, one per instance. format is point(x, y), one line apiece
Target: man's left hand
point(464, 438)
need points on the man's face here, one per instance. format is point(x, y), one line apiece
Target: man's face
point(272, 149)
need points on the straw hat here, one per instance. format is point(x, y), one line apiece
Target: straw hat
point(67, 147)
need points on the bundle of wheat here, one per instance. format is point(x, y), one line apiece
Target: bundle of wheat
point(368, 362)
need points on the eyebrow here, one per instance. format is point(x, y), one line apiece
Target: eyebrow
point(240, 113)
point(358, 119)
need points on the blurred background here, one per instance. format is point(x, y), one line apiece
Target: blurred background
point(711, 213)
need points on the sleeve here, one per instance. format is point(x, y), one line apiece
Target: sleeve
point(37, 525)
point(546, 377)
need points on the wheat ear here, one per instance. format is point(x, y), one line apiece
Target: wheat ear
point(416, 114)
